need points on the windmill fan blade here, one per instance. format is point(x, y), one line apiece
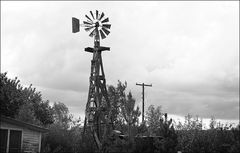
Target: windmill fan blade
point(89, 28)
point(105, 30)
point(92, 33)
point(75, 25)
point(86, 23)
point(96, 14)
point(88, 18)
point(102, 15)
point(105, 20)
point(102, 34)
point(92, 14)
point(107, 26)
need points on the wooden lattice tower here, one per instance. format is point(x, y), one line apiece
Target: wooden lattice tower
point(97, 113)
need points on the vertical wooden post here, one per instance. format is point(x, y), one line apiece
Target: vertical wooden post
point(143, 97)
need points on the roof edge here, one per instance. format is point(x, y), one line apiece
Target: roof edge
point(24, 124)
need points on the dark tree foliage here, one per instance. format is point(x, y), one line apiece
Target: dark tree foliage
point(124, 117)
point(26, 114)
point(123, 111)
point(153, 118)
point(142, 130)
point(169, 141)
point(218, 139)
point(213, 140)
point(18, 102)
point(162, 129)
point(11, 95)
point(43, 112)
point(129, 113)
point(65, 133)
point(156, 134)
point(114, 94)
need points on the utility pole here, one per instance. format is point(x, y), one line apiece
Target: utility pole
point(143, 85)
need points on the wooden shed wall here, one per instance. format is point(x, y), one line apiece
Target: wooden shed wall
point(31, 140)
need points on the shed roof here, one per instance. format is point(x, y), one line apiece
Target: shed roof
point(23, 124)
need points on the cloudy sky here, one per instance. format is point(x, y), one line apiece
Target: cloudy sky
point(189, 51)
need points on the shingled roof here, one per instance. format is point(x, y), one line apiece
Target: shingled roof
point(23, 124)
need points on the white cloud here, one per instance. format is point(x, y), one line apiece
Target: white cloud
point(189, 51)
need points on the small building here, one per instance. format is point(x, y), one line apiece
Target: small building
point(17, 136)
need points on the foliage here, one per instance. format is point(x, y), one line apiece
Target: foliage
point(65, 133)
point(127, 109)
point(115, 143)
point(18, 102)
point(212, 123)
point(12, 95)
point(156, 134)
point(61, 115)
point(124, 118)
point(219, 138)
point(142, 129)
point(123, 111)
point(168, 142)
point(116, 94)
point(26, 114)
point(190, 123)
point(213, 141)
point(161, 126)
point(153, 118)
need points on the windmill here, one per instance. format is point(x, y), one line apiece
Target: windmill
point(97, 113)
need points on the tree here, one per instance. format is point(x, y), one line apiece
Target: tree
point(161, 130)
point(124, 116)
point(123, 107)
point(43, 112)
point(26, 114)
point(192, 123)
point(11, 95)
point(212, 123)
point(128, 111)
point(16, 100)
point(169, 141)
point(61, 115)
point(153, 117)
point(115, 95)
point(64, 132)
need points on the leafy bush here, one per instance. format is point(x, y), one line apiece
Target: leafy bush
point(168, 142)
point(218, 139)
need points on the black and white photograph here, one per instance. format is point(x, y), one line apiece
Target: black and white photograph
point(119, 77)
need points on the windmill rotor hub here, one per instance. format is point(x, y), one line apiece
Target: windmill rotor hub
point(97, 24)
point(93, 24)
